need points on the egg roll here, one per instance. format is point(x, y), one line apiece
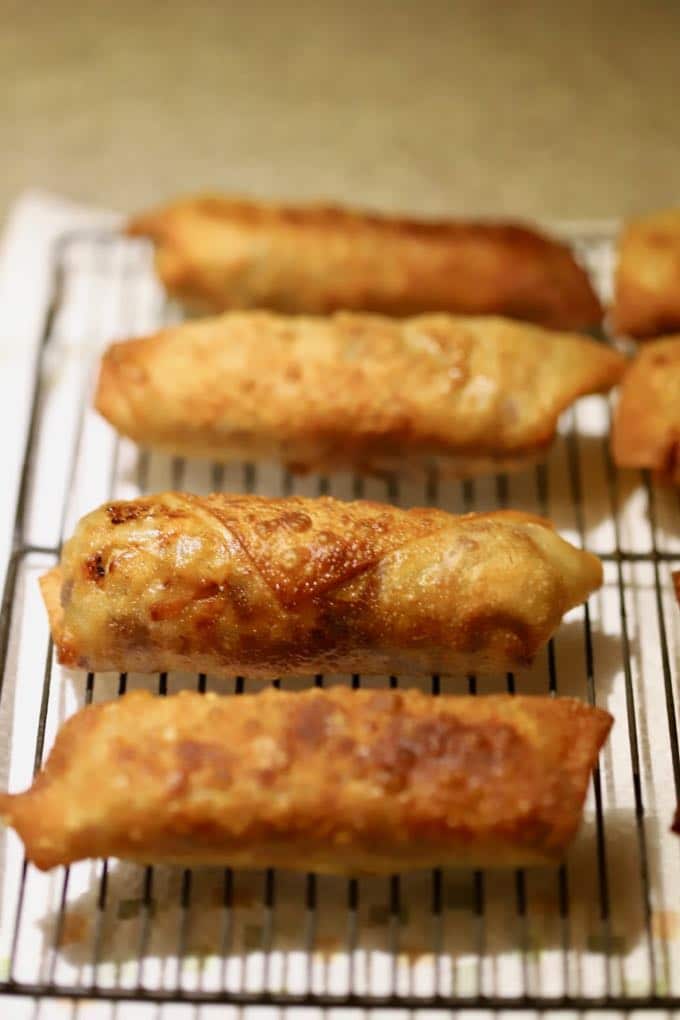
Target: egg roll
point(272, 587)
point(219, 253)
point(336, 781)
point(647, 278)
point(646, 430)
point(464, 395)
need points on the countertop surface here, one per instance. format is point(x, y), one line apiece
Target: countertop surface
point(532, 109)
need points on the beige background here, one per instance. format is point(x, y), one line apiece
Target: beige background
point(557, 109)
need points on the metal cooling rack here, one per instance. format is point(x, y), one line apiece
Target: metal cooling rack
point(603, 930)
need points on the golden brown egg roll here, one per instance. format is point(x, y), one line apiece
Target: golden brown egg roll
point(676, 584)
point(646, 431)
point(647, 279)
point(221, 253)
point(269, 587)
point(374, 394)
point(335, 781)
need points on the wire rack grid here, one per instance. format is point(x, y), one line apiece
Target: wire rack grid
point(601, 931)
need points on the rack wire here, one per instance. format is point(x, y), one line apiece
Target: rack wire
point(601, 931)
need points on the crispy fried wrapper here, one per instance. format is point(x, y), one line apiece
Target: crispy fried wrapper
point(646, 432)
point(647, 281)
point(220, 253)
point(271, 587)
point(464, 395)
point(336, 781)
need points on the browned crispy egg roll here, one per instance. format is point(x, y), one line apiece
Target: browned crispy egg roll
point(676, 584)
point(269, 587)
point(647, 280)
point(335, 780)
point(374, 394)
point(221, 253)
point(646, 431)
